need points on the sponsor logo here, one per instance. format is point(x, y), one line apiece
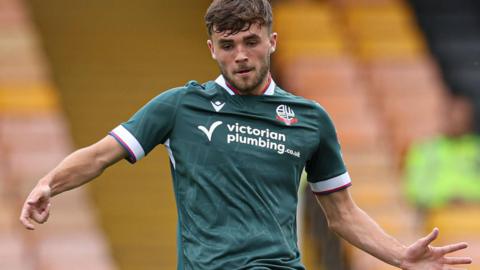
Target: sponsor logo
point(217, 105)
point(263, 138)
point(286, 115)
point(209, 131)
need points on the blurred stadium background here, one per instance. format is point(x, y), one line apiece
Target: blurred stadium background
point(70, 71)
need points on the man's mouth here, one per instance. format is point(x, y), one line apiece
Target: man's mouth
point(243, 71)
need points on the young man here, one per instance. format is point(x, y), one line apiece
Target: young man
point(237, 147)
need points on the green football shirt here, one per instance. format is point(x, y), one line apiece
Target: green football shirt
point(236, 165)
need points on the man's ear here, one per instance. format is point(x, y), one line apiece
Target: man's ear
point(273, 42)
point(211, 48)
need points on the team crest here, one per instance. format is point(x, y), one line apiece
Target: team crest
point(286, 115)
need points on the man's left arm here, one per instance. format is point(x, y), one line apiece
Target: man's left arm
point(354, 225)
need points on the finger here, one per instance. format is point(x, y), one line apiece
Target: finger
point(40, 194)
point(36, 198)
point(46, 213)
point(458, 260)
point(425, 241)
point(25, 218)
point(452, 248)
point(40, 218)
point(41, 215)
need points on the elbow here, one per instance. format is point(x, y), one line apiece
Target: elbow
point(99, 164)
point(341, 219)
point(98, 160)
point(98, 167)
point(334, 223)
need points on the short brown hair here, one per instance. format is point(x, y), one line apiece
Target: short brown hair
point(234, 16)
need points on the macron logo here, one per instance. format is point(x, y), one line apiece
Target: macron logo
point(217, 105)
point(209, 132)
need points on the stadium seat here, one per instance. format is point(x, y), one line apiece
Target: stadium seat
point(329, 46)
point(410, 98)
point(37, 133)
point(69, 250)
point(390, 49)
point(6, 214)
point(456, 220)
point(360, 16)
point(416, 74)
point(33, 139)
point(348, 3)
point(296, 22)
point(383, 31)
point(27, 100)
point(324, 76)
point(361, 261)
point(458, 223)
point(304, 14)
point(12, 252)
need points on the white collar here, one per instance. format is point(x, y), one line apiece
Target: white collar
point(221, 81)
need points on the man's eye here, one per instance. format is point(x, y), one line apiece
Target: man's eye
point(252, 43)
point(227, 46)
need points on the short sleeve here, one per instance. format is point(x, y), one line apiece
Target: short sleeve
point(150, 126)
point(326, 170)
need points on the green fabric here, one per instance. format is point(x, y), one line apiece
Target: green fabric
point(236, 190)
point(444, 170)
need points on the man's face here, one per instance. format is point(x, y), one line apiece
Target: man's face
point(244, 58)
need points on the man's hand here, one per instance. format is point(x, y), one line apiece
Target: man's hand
point(422, 256)
point(36, 207)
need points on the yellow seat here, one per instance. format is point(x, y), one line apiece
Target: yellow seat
point(460, 223)
point(388, 49)
point(389, 32)
point(329, 47)
point(350, 3)
point(28, 99)
point(384, 31)
point(456, 221)
point(303, 12)
point(387, 13)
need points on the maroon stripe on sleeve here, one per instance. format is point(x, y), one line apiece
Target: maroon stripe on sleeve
point(332, 190)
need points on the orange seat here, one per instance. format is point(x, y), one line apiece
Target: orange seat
point(412, 76)
point(68, 251)
point(326, 77)
point(12, 253)
point(41, 133)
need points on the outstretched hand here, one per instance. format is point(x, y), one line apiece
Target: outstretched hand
point(422, 256)
point(36, 207)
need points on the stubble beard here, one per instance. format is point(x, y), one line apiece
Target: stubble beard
point(245, 87)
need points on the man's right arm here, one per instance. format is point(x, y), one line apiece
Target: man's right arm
point(78, 168)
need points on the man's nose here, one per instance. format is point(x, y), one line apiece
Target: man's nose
point(241, 55)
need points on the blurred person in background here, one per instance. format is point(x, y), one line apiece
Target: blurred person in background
point(237, 147)
point(446, 169)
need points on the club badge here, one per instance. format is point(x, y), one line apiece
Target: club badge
point(286, 115)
